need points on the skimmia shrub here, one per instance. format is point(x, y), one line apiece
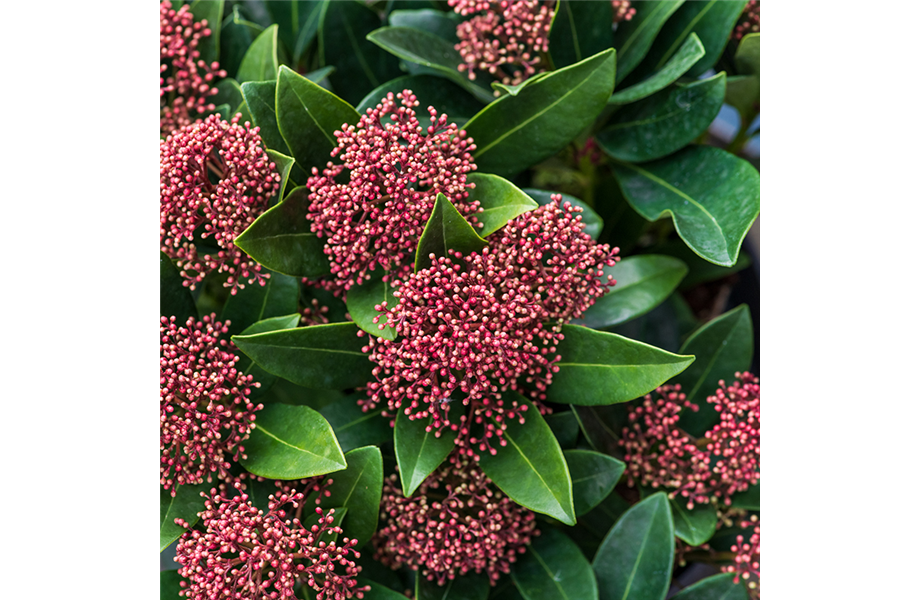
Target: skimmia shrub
point(454, 297)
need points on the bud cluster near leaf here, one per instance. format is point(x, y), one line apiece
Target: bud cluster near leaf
point(452, 300)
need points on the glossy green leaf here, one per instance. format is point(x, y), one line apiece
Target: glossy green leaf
point(635, 560)
point(260, 99)
point(429, 50)
point(420, 452)
point(594, 224)
point(633, 38)
point(565, 428)
point(717, 587)
point(283, 165)
point(593, 477)
point(265, 379)
point(379, 591)
point(355, 428)
point(664, 122)
point(553, 568)
point(694, 526)
point(500, 199)
point(441, 24)
point(321, 356)
point(308, 17)
point(260, 62)
point(700, 269)
point(358, 488)
point(170, 585)
point(606, 368)
point(689, 53)
point(273, 324)
point(471, 586)
point(514, 90)
point(186, 505)
point(175, 299)
point(308, 116)
point(360, 65)
point(579, 30)
point(446, 230)
point(747, 57)
point(362, 300)
point(515, 132)
point(723, 347)
point(749, 499)
point(236, 35)
point(602, 426)
point(531, 469)
point(592, 527)
point(445, 96)
point(257, 302)
point(281, 240)
point(643, 282)
point(713, 197)
point(228, 92)
point(211, 11)
point(291, 442)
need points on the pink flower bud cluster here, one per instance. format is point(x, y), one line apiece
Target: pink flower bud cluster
point(246, 553)
point(455, 523)
point(746, 563)
point(396, 168)
point(505, 39)
point(188, 81)
point(215, 179)
point(749, 21)
point(622, 10)
point(205, 412)
point(471, 327)
point(725, 460)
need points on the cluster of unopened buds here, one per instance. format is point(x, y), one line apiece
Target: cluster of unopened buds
point(456, 523)
point(244, 552)
point(723, 461)
point(186, 81)
point(746, 563)
point(215, 180)
point(471, 327)
point(749, 22)
point(205, 411)
point(622, 10)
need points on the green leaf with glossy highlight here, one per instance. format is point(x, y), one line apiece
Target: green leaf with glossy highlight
point(689, 53)
point(446, 230)
point(553, 568)
point(694, 526)
point(717, 587)
point(579, 30)
point(593, 477)
point(362, 300)
point(358, 488)
point(186, 505)
point(420, 452)
point(500, 200)
point(260, 63)
point(633, 38)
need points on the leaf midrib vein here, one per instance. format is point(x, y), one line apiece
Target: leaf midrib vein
point(274, 437)
point(654, 178)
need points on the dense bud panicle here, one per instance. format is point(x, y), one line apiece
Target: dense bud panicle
point(456, 523)
point(188, 82)
point(725, 460)
point(746, 564)
point(245, 180)
point(205, 413)
point(622, 10)
point(473, 326)
point(244, 552)
point(749, 22)
point(396, 168)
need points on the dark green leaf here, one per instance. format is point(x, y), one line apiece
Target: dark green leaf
point(428, 50)
point(553, 568)
point(500, 199)
point(321, 356)
point(602, 426)
point(635, 559)
point(355, 428)
point(446, 230)
point(358, 488)
point(505, 590)
point(743, 92)
point(175, 299)
point(713, 197)
point(247, 367)
point(236, 36)
point(308, 116)
point(463, 587)
point(605, 368)
point(694, 526)
point(515, 132)
point(565, 427)
point(593, 477)
point(666, 326)
point(700, 269)
point(420, 452)
point(224, 111)
point(593, 526)
point(531, 469)
point(749, 499)
point(283, 165)
point(257, 302)
point(211, 11)
point(308, 17)
point(445, 96)
point(579, 30)
point(362, 300)
point(643, 282)
point(186, 505)
point(747, 57)
point(273, 324)
point(291, 442)
point(379, 591)
point(228, 92)
point(689, 53)
point(169, 585)
point(260, 100)
point(514, 90)
point(633, 38)
point(320, 74)
point(443, 25)
point(664, 122)
point(594, 224)
point(717, 587)
point(281, 240)
point(723, 347)
point(261, 60)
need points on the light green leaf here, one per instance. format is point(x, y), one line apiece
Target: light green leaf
point(186, 505)
point(694, 526)
point(260, 63)
point(500, 200)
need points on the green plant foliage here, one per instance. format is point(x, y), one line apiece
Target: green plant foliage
point(471, 586)
point(260, 62)
point(553, 568)
point(265, 379)
point(446, 97)
point(170, 584)
point(592, 527)
point(186, 505)
point(633, 38)
point(236, 35)
point(602, 426)
point(175, 299)
point(211, 11)
point(283, 165)
point(717, 587)
point(446, 230)
point(379, 591)
point(229, 93)
point(564, 426)
point(353, 427)
point(260, 100)
point(257, 302)
point(689, 53)
point(579, 30)
point(700, 270)
point(749, 499)
point(362, 300)
point(593, 477)
point(420, 452)
point(358, 488)
point(442, 24)
point(500, 200)
point(694, 526)
point(593, 222)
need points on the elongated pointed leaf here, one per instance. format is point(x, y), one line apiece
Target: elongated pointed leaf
point(420, 452)
point(362, 302)
point(633, 38)
point(446, 230)
point(445, 96)
point(717, 587)
point(308, 18)
point(593, 477)
point(723, 347)
point(592, 527)
point(211, 11)
point(186, 505)
point(442, 24)
point(635, 559)
point(694, 526)
point(260, 98)
point(273, 324)
point(471, 586)
point(281, 240)
point(257, 302)
point(236, 35)
point(605, 368)
point(643, 282)
point(260, 63)
point(515, 132)
point(355, 428)
point(292, 442)
point(514, 90)
point(579, 30)
point(175, 299)
point(553, 568)
point(283, 164)
point(594, 224)
point(689, 53)
point(713, 197)
point(358, 488)
point(322, 356)
point(245, 366)
point(500, 199)
point(531, 469)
